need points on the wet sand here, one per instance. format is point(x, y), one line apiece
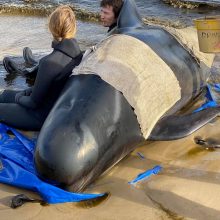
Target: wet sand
point(187, 188)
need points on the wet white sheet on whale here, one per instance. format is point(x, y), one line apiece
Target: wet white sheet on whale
point(132, 67)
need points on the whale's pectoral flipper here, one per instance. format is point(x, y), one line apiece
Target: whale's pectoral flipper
point(178, 126)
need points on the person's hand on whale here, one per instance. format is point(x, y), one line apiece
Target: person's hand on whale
point(26, 92)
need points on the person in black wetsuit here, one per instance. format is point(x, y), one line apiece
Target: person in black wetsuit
point(109, 13)
point(28, 109)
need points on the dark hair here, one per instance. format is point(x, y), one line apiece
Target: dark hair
point(116, 4)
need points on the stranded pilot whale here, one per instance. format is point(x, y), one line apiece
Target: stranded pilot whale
point(92, 125)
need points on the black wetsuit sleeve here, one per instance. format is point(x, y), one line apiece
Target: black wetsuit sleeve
point(46, 73)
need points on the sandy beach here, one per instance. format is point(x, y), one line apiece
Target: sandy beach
point(186, 188)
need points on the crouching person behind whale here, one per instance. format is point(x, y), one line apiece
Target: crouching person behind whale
point(125, 91)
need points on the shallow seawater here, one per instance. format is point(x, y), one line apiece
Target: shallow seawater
point(27, 21)
point(29, 31)
point(152, 10)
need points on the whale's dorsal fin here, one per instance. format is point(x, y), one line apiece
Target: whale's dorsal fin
point(129, 16)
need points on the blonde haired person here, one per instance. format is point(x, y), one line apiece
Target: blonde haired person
point(28, 109)
point(62, 23)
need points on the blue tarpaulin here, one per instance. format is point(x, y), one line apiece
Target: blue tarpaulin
point(211, 99)
point(143, 176)
point(17, 169)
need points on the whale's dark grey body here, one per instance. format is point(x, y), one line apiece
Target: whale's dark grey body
point(92, 126)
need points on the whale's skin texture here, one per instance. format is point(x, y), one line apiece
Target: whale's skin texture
point(90, 128)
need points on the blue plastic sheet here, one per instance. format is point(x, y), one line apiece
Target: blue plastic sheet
point(211, 98)
point(16, 155)
point(146, 174)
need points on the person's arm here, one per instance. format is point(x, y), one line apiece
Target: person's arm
point(25, 101)
point(46, 73)
point(26, 92)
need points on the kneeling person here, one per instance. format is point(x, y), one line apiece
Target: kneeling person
point(28, 109)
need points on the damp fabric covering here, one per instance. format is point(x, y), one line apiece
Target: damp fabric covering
point(133, 68)
point(17, 169)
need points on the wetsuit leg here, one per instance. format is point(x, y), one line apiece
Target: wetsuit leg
point(16, 116)
point(8, 96)
point(12, 68)
point(31, 72)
